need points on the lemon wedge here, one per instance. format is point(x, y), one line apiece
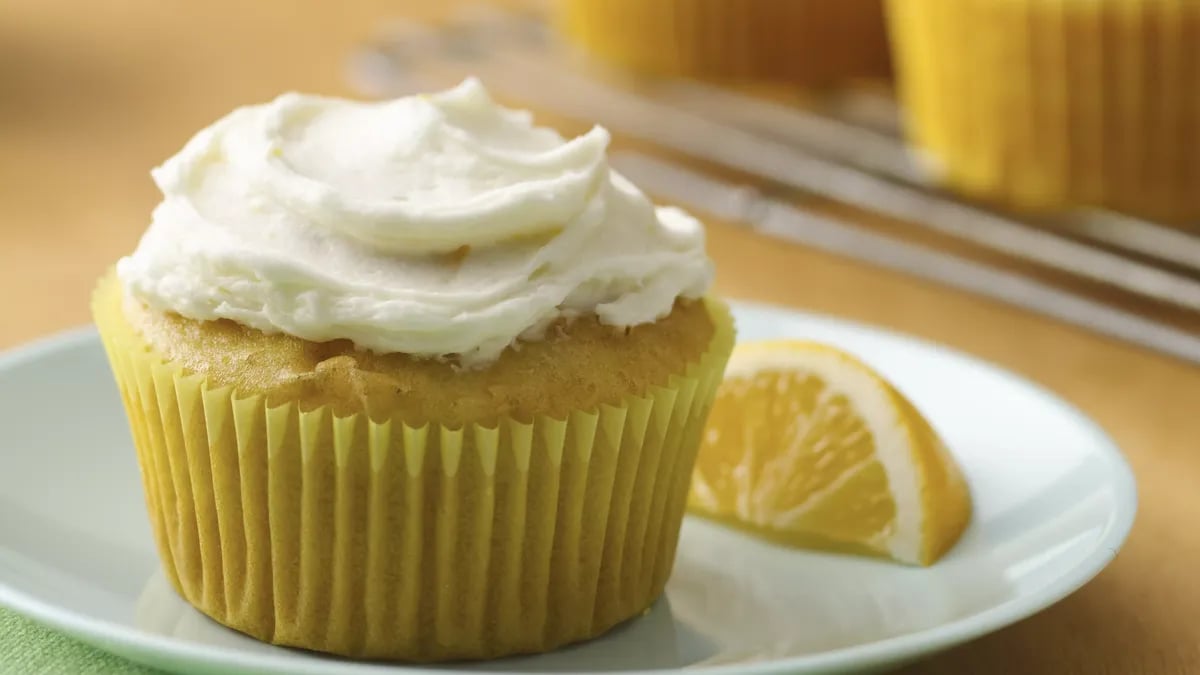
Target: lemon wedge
point(810, 447)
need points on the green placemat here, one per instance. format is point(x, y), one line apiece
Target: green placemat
point(27, 648)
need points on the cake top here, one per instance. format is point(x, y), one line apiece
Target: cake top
point(434, 225)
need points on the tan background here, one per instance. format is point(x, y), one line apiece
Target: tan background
point(92, 94)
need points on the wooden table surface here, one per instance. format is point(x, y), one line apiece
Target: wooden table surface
point(94, 94)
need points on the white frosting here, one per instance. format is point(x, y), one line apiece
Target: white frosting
point(325, 219)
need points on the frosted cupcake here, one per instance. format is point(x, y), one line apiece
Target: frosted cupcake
point(1047, 104)
point(811, 42)
point(414, 379)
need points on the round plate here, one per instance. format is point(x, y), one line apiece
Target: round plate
point(1054, 500)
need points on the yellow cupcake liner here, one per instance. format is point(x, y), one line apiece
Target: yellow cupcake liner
point(375, 539)
point(811, 42)
point(1047, 104)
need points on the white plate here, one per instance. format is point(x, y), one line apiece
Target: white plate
point(1054, 501)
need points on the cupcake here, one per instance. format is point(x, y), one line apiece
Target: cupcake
point(1047, 104)
point(414, 379)
point(812, 42)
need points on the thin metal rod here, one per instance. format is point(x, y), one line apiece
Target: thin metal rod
point(868, 150)
point(774, 218)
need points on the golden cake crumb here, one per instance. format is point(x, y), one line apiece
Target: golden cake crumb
point(579, 365)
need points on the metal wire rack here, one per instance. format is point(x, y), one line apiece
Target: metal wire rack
point(828, 171)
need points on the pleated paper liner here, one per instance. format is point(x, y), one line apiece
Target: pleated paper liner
point(810, 42)
point(378, 540)
point(1046, 104)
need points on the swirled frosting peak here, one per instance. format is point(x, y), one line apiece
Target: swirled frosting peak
point(432, 225)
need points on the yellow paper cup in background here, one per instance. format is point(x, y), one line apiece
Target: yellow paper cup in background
point(372, 539)
point(810, 42)
point(1046, 104)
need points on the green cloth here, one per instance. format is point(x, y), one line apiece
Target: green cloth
point(27, 648)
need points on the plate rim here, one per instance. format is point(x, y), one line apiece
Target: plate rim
point(131, 643)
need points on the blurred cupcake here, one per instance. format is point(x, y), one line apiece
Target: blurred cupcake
point(412, 380)
point(813, 42)
point(1046, 104)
